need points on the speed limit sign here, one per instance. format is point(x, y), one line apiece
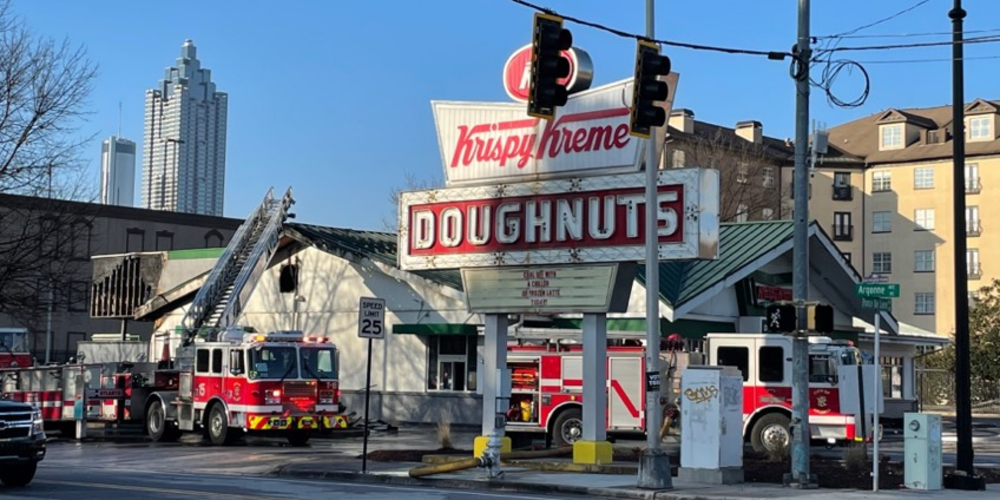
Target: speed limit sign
point(371, 318)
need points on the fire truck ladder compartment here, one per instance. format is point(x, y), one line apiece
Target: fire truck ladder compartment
point(221, 300)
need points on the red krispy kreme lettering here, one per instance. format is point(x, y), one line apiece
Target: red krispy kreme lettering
point(557, 138)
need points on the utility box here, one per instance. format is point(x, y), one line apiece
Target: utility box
point(711, 403)
point(922, 451)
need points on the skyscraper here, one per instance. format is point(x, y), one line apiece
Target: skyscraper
point(118, 172)
point(184, 145)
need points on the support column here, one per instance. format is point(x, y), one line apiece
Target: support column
point(494, 357)
point(594, 448)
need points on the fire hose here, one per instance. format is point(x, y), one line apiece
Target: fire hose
point(485, 461)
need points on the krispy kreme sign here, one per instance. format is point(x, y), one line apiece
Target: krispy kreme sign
point(559, 221)
point(517, 72)
point(484, 143)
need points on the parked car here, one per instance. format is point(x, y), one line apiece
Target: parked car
point(22, 442)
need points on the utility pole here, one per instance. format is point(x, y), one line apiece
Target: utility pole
point(799, 429)
point(654, 464)
point(964, 476)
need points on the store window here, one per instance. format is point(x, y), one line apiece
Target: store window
point(452, 364)
point(892, 377)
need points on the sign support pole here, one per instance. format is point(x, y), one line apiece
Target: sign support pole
point(876, 378)
point(368, 392)
point(654, 464)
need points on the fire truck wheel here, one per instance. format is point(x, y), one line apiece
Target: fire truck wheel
point(298, 438)
point(218, 426)
point(568, 427)
point(18, 475)
point(157, 427)
point(770, 433)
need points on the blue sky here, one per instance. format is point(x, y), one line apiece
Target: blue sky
point(333, 97)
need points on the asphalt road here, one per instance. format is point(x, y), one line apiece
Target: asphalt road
point(84, 482)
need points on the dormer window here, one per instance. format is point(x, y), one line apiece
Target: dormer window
point(892, 136)
point(980, 128)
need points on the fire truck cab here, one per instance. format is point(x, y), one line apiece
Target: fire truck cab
point(765, 361)
point(280, 382)
point(14, 348)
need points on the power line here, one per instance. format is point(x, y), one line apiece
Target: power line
point(969, 41)
point(625, 34)
point(906, 35)
point(929, 60)
point(880, 21)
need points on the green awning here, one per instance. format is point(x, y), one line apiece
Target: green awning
point(436, 329)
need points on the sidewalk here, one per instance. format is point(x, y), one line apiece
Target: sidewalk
point(525, 480)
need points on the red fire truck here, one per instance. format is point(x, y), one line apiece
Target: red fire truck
point(212, 375)
point(547, 385)
point(14, 348)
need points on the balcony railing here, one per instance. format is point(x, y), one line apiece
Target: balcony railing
point(973, 186)
point(973, 228)
point(974, 271)
point(843, 232)
point(842, 193)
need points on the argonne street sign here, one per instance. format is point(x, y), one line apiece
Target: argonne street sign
point(877, 290)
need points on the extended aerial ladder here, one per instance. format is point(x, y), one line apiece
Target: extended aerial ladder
point(225, 293)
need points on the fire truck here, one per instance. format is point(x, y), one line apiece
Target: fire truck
point(211, 375)
point(547, 385)
point(14, 348)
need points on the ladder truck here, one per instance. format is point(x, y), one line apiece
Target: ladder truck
point(213, 375)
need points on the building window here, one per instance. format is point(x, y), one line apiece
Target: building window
point(881, 181)
point(924, 261)
point(892, 136)
point(882, 222)
point(842, 186)
point(135, 239)
point(980, 128)
point(923, 178)
point(882, 263)
point(924, 219)
point(78, 296)
point(742, 173)
point(213, 239)
point(742, 213)
point(924, 303)
point(767, 214)
point(892, 377)
point(972, 178)
point(164, 240)
point(768, 177)
point(677, 159)
point(80, 242)
point(972, 264)
point(452, 365)
point(843, 230)
point(972, 227)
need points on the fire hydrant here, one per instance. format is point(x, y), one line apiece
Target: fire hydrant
point(491, 455)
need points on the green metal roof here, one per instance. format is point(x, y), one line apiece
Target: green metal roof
point(739, 245)
point(374, 245)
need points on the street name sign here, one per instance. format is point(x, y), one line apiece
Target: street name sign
point(877, 290)
point(874, 303)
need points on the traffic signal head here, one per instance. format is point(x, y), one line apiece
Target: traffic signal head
point(781, 318)
point(820, 318)
point(548, 66)
point(648, 89)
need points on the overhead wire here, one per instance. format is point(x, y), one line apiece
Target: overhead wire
point(880, 21)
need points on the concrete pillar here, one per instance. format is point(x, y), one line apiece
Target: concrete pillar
point(594, 448)
point(494, 357)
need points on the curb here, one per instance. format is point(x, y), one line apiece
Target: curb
point(500, 485)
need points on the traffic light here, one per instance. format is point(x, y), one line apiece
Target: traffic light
point(548, 66)
point(649, 67)
point(820, 318)
point(781, 318)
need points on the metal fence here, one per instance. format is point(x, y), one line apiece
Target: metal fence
point(936, 393)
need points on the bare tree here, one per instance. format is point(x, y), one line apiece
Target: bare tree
point(749, 185)
point(44, 85)
point(390, 224)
